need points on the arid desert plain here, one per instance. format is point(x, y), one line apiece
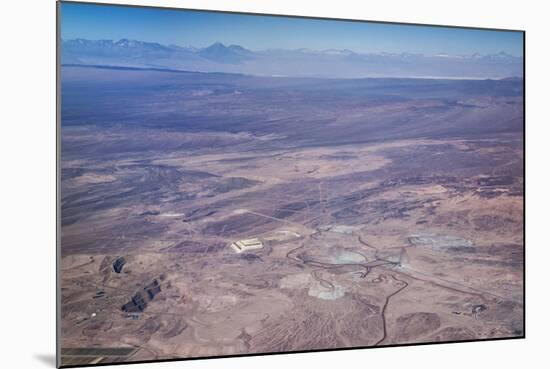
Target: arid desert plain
point(208, 214)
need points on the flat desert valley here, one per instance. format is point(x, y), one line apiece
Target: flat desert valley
point(208, 214)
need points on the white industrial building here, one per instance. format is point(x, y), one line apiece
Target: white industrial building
point(247, 245)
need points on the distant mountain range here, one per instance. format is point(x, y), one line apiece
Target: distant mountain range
point(330, 63)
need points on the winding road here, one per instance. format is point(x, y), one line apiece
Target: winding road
point(404, 285)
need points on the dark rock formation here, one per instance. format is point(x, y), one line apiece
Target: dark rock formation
point(135, 305)
point(152, 289)
point(139, 302)
point(119, 264)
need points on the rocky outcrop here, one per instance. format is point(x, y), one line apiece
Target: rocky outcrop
point(139, 301)
point(118, 264)
point(136, 305)
point(152, 289)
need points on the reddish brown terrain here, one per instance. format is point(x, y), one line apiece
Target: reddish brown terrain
point(389, 211)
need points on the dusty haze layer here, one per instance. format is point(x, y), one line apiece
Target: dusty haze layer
point(330, 63)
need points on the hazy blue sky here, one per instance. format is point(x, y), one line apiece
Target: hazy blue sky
point(191, 28)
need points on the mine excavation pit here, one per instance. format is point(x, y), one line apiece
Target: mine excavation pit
point(439, 240)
